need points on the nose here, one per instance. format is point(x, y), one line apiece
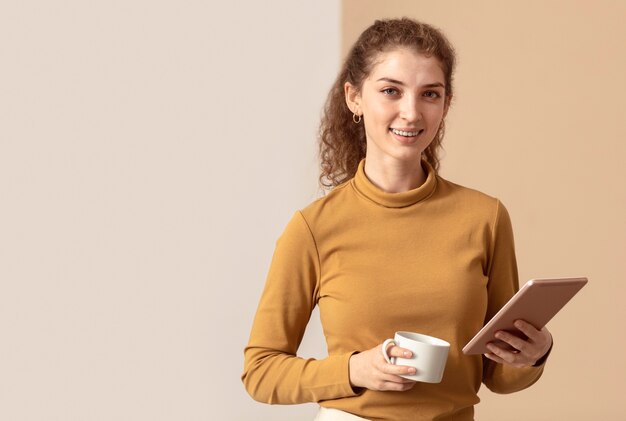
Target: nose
point(409, 109)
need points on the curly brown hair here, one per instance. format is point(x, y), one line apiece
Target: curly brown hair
point(342, 143)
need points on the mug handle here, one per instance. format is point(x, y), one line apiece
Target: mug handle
point(390, 360)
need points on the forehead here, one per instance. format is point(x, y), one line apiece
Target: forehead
point(407, 65)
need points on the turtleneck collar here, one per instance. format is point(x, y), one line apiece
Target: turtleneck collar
point(369, 190)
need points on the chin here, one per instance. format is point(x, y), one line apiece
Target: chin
point(407, 156)
point(403, 153)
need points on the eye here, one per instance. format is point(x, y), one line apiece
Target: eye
point(432, 94)
point(389, 91)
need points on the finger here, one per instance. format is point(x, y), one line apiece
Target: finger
point(407, 386)
point(397, 369)
point(529, 330)
point(506, 356)
point(387, 348)
point(494, 357)
point(516, 342)
point(547, 335)
point(396, 387)
point(396, 379)
point(396, 351)
point(516, 358)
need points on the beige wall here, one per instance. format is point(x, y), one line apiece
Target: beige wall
point(538, 121)
point(151, 152)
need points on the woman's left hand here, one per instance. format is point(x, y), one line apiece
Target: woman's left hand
point(524, 352)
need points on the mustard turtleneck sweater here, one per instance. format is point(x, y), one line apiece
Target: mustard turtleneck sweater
point(438, 260)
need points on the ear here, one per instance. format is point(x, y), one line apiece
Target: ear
point(353, 98)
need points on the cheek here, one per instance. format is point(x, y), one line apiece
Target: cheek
point(431, 122)
point(381, 114)
point(435, 114)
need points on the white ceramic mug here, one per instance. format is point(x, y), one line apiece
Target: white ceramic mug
point(429, 355)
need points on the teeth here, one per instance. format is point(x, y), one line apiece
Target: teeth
point(406, 134)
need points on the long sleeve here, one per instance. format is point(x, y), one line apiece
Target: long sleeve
point(503, 284)
point(272, 371)
point(437, 260)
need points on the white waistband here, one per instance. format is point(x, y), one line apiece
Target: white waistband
point(330, 414)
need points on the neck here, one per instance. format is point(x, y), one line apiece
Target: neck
point(394, 176)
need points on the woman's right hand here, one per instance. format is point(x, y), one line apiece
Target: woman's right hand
point(370, 370)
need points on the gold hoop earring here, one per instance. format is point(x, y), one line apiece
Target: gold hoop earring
point(354, 118)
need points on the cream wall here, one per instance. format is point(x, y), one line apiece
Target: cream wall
point(538, 121)
point(151, 152)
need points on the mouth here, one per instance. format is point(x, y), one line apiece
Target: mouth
point(406, 134)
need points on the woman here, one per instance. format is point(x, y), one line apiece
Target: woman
point(392, 247)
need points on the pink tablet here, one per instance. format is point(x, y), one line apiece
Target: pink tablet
point(536, 302)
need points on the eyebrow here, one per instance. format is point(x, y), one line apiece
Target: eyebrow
point(397, 82)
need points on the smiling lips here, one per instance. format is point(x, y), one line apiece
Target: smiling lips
point(405, 133)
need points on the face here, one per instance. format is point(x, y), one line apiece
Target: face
point(402, 103)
